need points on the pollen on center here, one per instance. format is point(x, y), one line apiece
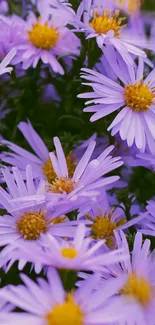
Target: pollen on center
point(49, 172)
point(43, 36)
point(32, 224)
point(68, 313)
point(102, 24)
point(69, 252)
point(138, 287)
point(103, 227)
point(61, 185)
point(138, 97)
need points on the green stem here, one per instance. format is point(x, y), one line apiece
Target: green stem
point(68, 278)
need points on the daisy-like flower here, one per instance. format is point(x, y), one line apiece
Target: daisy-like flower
point(106, 215)
point(28, 217)
point(79, 254)
point(87, 177)
point(40, 161)
point(137, 276)
point(104, 219)
point(135, 100)
point(47, 303)
point(4, 64)
point(46, 40)
point(104, 23)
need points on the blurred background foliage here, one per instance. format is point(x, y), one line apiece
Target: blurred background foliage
point(148, 5)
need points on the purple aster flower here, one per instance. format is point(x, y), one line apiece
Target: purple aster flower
point(107, 215)
point(28, 217)
point(78, 254)
point(46, 40)
point(4, 64)
point(46, 302)
point(104, 24)
point(87, 177)
point(40, 161)
point(137, 276)
point(135, 100)
point(133, 280)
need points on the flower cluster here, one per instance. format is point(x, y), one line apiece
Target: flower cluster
point(77, 202)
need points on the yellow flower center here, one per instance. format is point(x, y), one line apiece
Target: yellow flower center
point(67, 313)
point(103, 24)
point(49, 170)
point(32, 224)
point(61, 185)
point(103, 228)
point(138, 97)
point(69, 252)
point(139, 288)
point(43, 36)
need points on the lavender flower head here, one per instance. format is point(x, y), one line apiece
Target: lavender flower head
point(65, 171)
point(102, 21)
point(106, 216)
point(135, 99)
point(137, 276)
point(46, 39)
point(78, 254)
point(27, 217)
point(87, 176)
point(48, 303)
